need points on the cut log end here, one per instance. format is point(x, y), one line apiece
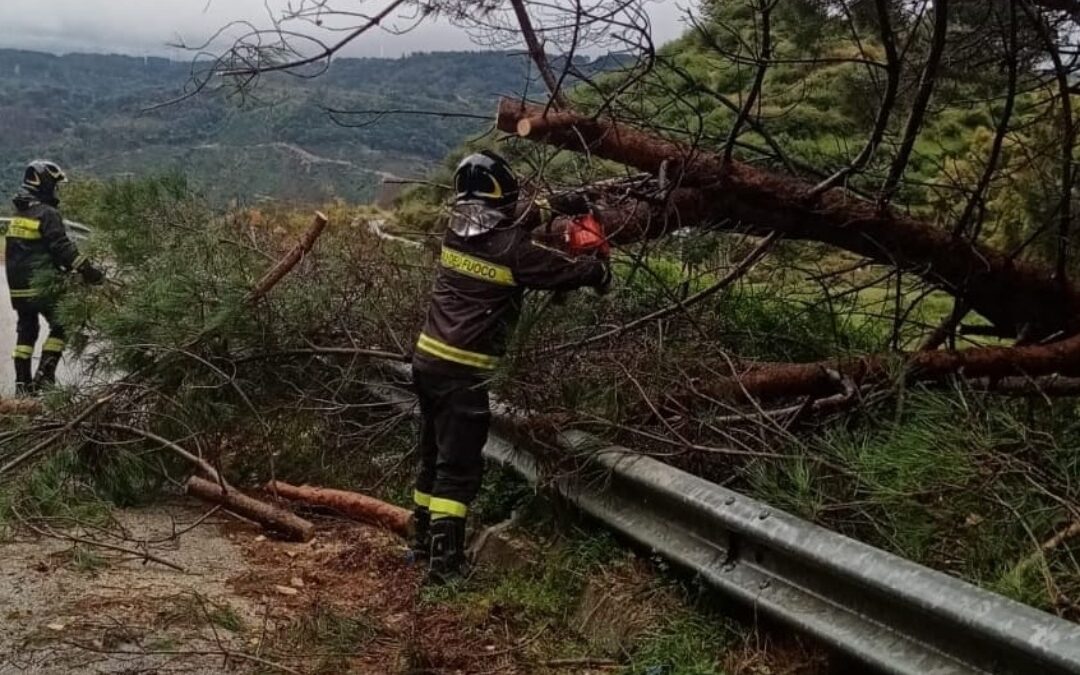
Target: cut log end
point(274, 519)
point(524, 128)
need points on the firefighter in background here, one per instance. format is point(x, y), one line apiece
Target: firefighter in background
point(489, 258)
point(37, 240)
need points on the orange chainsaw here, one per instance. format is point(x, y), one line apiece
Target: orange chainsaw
point(584, 235)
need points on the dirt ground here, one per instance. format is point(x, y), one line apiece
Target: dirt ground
point(345, 602)
point(350, 601)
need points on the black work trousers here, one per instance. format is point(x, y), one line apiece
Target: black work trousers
point(29, 326)
point(456, 414)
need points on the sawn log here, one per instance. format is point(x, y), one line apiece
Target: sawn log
point(350, 504)
point(278, 520)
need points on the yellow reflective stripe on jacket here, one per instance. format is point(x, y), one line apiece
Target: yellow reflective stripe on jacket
point(477, 268)
point(421, 498)
point(430, 345)
point(53, 345)
point(21, 293)
point(447, 508)
point(78, 262)
point(24, 228)
point(23, 351)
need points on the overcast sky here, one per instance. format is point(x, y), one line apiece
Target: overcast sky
point(143, 27)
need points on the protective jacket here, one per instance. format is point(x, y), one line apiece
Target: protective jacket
point(36, 240)
point(479, 287)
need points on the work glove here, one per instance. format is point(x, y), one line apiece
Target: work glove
point(569, 204)
point(91, 275)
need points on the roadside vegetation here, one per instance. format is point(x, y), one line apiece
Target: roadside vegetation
point(976, 475)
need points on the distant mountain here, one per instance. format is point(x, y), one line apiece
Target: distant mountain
point(87, 112)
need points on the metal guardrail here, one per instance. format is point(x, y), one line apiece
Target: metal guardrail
point(890, 614)
point(76, 231)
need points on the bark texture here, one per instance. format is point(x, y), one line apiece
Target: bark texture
point(785, 380)
point(290, 526)
point(1018, 297)
point(351, 504)
point(20, 406)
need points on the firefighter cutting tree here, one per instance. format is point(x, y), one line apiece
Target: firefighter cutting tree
point(490, 256)
point(36, 242)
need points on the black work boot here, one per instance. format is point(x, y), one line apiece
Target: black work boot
point(23, 380)
point(421, 546)
point(448, 561)
point(46, 372)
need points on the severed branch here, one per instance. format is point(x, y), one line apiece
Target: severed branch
point(286, 264)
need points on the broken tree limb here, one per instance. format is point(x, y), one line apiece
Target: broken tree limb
point(291, 259)
point(279, 520)
point(785, 380)
point(350, 504)
point(1012, 294)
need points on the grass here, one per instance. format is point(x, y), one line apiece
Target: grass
point(548, 598)
point(944, 480)
point(685, 644)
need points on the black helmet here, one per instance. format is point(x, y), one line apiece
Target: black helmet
point(41, 179)
point(487, 178)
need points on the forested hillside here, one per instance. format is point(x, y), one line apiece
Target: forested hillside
point(90, 112)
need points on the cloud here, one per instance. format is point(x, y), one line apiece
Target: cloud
point(144, 27)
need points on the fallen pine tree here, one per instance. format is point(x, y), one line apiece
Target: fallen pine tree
point(1019, 298)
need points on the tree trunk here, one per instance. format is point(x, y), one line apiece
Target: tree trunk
point(291, 526)
point(787, 380)
point(1015, 295)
